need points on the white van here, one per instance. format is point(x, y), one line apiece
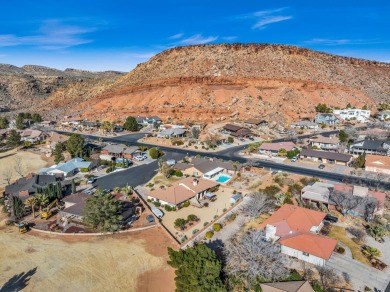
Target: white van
point(158, 212)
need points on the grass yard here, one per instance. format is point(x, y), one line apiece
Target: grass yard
point(340, 234)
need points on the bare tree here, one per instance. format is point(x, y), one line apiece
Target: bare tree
point(328, 277)
point(18, 166)
point(250, 257)
point(379, 177)
point(257, 204)
point(352, 133)
point(7, 175)
point(358, 233)
point(212, 140)
point(345, 201)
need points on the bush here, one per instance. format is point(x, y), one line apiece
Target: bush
point(143, 148)
point(180, 222)
point(238, 174)
point(169, 208)
point(224, 210)
point(110, 169)
point(205, 224)
point(232, 217)
point(230, 139)
point(192, 218)
point(178, 173)
point(84, 169)
point(215, 216)
point(186, 204)
point(154, 153)
point(209, 234)
point(177, 142)
point(217, 227)
point(340, 249)
point(157, 204)
point(371, 251)
point(359, 234)
point(149, 200)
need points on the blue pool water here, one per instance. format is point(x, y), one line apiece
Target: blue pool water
point(223, 178)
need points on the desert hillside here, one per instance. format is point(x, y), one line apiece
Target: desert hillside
point(222, 82)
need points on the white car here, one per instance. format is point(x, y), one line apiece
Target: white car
point(139, 157)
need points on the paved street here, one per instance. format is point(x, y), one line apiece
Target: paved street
point(361, 275)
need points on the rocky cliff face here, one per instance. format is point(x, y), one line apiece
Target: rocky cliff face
point(218, 82)
point(24, 88)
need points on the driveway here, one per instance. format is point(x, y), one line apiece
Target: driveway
point(361, 275)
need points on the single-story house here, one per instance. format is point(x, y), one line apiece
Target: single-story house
point(67, 168)
point(47, 124)
point(172, 133)
point(142, 120)
point(255, 122)
point(326, 119)
point(324, 143)
point(188, 189)
point(74, 121)
point(28, 185)
point(318, 192)
point(304, 125)
point(377, 163)
point(199, 167)
point(291, 286)
point(243, 132)
point(33, 136)
point(231, 128)
point(383, 116)
point(376, 147)
point(273, 148)
point(325, 156)
point(55, 138)
point(296, 230)
point(120, 151)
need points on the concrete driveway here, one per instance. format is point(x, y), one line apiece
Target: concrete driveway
point(361, 275)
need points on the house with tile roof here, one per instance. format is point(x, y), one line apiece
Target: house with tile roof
point(291, 286)
point(296, 230)
point(120, 151)
point(325, 143)
point(377, 163)
point(188, 189)
point(33, 136)
point(55, 138)
point(273, 148)
point(326, 156)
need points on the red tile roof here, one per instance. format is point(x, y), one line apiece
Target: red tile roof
point(288, 146)
point(313, 244)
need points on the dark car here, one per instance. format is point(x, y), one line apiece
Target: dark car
point(251, 138)
point(321, 166)
point(331, 218)
point(150, 218)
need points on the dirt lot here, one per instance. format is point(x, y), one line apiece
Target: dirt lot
point(30, 162)
point(133, 262)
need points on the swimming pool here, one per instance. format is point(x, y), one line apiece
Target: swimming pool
point(223, 178)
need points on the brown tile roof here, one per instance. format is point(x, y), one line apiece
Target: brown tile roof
point(76, 198)
point(276, 146)
point(55, 137)
point(292, 286)
point(182, 190)
point(253, 121)
point(325, 140)
point(313, 244)
point(232, 128)
point(377, 161)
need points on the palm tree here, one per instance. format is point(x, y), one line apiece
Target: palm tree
point(42, 199)
point(32, 201)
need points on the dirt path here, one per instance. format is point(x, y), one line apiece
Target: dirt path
point(109, 263)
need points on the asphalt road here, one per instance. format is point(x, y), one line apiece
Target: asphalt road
point(141, 175)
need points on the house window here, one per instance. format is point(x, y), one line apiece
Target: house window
point(195, 173)
point(305, 254)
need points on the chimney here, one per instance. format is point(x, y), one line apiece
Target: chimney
point(195, 182)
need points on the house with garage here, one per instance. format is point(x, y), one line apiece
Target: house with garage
point(119, 151)
point(324, 143)
point(325, 156)
point(376, 147)
point(255, 122)
point(189, 189)
point(359, 115)
point(33, 136)
point(296, 230)
point(28, 186)
point(69, 168)
point(172, 133)
point(237, 131)
point(274, 148)
point(208, 168)
point(55, 138)
point(326, 119)
point(290, 286)
point(377, 163)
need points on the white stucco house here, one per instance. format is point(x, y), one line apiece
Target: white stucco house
point(360, 115)
point(296, 230)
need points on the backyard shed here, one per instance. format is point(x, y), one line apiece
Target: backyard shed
point(235, 198)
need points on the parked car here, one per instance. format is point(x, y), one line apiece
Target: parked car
point(242, 140)
point(139, 157)
point(157, 212)
point(294, 159)
point(91, 180)
point(251, 138)
point(321, 166)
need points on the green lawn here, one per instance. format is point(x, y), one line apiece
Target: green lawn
point(339, 233)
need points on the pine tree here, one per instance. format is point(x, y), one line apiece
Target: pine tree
point(13, 138)
point(57, 152)
point(75, 146)
point(131, 124)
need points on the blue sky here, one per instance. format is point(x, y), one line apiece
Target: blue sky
point(119, 34)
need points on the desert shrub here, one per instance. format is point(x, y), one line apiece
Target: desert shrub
point(271, 190)
point(196, 147)
point(192, 218)
point(215, 216)
point(143, 148)
point(376, 230)
point(84, 169)
point(217, 227)
point(168, 208)
point(110, 169)
point(230, 139)
point(340, 249)
point(224, 210)
point(154, 153)
point(157, 204)
point(205, 224)
point(149, 200)
point(238, 174)
point(209, 234)
point(177, 142)
point(371, 251)
point(186, 204)
point(180, 222)
point(232, 217)
point(359, 234)
point(178, 173)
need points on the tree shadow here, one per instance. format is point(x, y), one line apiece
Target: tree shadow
point(18, 282)
point(217, 246)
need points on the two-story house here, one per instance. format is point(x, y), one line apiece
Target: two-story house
point(324, 143)
point(376, 147)
point(360, 115)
